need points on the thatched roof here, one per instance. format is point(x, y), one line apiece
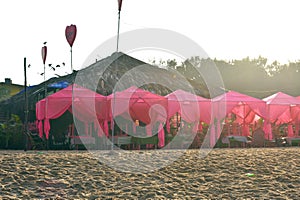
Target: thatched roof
point(120, 69)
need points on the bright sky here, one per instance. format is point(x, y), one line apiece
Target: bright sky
point(225, 29)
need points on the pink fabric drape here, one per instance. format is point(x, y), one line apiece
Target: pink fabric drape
point(58, 103)
point(244, 106)
point(46, 128)
point(98, 128)
point(105, 127)
point(280, 107)
point(161, 136)
point(168, 127)
point(268, 131)
point(40, 127)
point(136, 104)
point(191, 108)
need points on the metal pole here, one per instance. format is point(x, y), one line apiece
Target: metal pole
point(25, 108)
point(45, 87)
point(45, 96)
point(119, 13)
point(113, 126)
point(71, 61)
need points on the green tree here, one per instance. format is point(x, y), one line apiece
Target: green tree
point(11, 131)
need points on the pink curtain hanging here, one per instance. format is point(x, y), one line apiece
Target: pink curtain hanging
point(58, 103)
point(98, 128)
point(268, 130)
point(40, 127)
point(46, 127)
point(168, 127)
point(105, 127)
point(161, 136)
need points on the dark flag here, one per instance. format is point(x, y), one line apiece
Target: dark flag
point(71, 34)
point(44, 54)
point(120, 5)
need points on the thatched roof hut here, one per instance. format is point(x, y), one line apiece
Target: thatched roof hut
point(120, 69)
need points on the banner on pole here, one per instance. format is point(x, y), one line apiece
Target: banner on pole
point(71, 34)
point(120, 5)
point(44, 54)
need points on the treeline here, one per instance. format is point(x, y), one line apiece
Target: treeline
point(255, 77)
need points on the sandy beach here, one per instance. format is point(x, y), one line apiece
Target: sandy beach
point(254, 173)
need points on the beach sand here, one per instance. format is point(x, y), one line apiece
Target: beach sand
point(254, 173)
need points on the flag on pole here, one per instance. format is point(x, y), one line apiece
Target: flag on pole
point(120, 5)
point(71, 34)
point(44, 54)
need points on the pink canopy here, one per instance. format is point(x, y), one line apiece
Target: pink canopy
point(244, 106)
point(137, 104)
point(282, 108)
point(192, 108)
point(88, 106)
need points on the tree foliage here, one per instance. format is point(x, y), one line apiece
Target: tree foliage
point(255, 77)
point(11, 133)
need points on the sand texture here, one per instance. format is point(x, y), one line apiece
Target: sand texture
point(254, 173)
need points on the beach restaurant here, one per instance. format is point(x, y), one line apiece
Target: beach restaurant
point(135, 118)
